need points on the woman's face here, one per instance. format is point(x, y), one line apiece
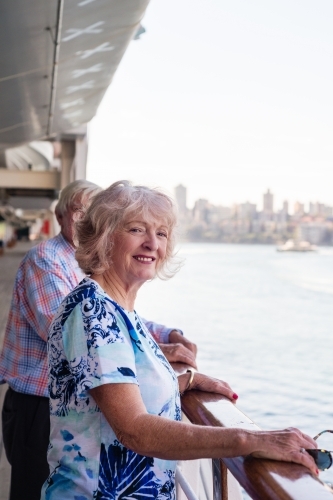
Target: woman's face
point(139, 249)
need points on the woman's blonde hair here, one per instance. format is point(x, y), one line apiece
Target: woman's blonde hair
point(109, 211)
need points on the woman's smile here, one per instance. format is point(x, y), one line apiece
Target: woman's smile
point(141, 258)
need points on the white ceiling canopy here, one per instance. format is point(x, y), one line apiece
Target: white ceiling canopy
point(57, 60)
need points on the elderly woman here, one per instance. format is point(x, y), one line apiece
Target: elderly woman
point(114, 398)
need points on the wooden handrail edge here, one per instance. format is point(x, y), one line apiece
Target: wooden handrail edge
point(261, 479)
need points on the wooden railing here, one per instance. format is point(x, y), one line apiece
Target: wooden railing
point(261, 479)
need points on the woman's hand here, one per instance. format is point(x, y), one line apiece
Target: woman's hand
point(288, 445)
point(202, 382)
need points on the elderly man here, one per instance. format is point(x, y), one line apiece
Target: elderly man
point(46, 275)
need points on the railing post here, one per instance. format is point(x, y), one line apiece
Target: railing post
point(220, 480)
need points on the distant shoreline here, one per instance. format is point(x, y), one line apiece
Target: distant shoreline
point(261, 243)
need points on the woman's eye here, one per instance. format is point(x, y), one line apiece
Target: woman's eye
point(136, 230)
point(161, 233)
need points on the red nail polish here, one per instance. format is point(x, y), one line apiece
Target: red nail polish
point(317, 471)
point(234, 396)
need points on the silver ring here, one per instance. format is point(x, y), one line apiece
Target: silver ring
point(302, 450)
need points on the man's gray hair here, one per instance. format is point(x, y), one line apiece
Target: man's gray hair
point(70, 192)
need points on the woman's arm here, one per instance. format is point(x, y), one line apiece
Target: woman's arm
point(159, 437)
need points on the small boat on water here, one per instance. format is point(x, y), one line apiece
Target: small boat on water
point(296, 246)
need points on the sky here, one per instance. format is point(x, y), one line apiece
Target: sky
point(228, 98)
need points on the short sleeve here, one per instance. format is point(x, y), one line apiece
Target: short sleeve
point(97, 344)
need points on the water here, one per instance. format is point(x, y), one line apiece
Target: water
point(263, 321)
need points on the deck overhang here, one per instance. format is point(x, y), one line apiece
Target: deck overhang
point(57, 60)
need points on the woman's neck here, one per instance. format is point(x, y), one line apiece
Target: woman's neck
point(113, 286)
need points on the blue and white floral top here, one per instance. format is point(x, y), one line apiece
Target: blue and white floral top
point(93, 341)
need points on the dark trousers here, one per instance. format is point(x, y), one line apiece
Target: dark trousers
point(26, 430)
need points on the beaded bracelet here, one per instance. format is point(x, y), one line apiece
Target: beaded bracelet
point(189, 383)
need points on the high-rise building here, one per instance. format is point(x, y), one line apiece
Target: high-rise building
point(201, 210)
point(268, 201)
point(247, 210)
point(313, 209)
point(319, 209)
point(285, 207)
point(181, 195)
point(299, 208)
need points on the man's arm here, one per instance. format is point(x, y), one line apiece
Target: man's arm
point(175, 347)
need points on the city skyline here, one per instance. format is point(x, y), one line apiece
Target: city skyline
point(308, 205)
point(244, 223)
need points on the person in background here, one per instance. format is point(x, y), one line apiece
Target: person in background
point(48, 272)
point(114, 398)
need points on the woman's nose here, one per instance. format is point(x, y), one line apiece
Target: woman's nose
point(151, 241)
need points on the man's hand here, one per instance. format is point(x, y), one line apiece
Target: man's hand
point(179, 349)
point(177, 338)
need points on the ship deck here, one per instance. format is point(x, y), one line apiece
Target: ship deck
point(9, 263)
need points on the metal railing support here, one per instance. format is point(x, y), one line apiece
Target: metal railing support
point(185, 486)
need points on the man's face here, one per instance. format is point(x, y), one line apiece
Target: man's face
point(73, 213)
